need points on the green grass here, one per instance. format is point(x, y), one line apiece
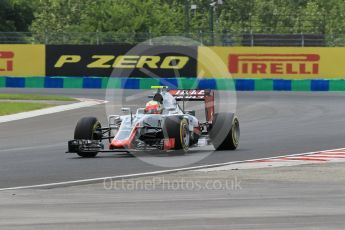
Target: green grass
point(34, 97)
point(7, 108)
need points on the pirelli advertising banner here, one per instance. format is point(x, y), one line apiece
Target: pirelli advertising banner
point(267, 62)
point(172, 61)
point(22, 60)
point(121, 61)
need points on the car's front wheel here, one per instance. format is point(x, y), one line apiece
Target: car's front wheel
point(86, 130)
point(178, 129)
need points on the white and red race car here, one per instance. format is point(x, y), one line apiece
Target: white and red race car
point(172, 129)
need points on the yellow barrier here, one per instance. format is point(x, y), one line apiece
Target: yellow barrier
point(223, 62)
point(269, 62)
point(22, 60)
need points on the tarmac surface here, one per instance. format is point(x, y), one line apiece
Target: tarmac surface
point(299, 197)
point(272, 124)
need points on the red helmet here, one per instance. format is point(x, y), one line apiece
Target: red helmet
point(153, 107)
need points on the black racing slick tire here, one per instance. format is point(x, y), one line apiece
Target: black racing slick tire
point(86, 130)
point(177, 127)
point(225, 131)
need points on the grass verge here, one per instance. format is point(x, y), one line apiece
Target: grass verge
point(7, 108)
point(34, 97)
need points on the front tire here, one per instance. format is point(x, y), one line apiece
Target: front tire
point(225, 132)
point(178, 128)
point(86, 130)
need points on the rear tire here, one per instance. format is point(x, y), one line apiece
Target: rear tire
point(178, 128)
point(225, 132)
point(85, 130)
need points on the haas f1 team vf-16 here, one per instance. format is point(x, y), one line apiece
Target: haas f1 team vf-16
point(162, 125)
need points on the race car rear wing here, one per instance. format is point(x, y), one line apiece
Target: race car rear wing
point(190, 95)
point(197, 95)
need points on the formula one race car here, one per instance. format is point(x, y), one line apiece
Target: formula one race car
point(161, 126)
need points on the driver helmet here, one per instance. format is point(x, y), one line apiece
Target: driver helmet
point(153, 107)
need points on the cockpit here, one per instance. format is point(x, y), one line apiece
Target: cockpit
point(170, 106)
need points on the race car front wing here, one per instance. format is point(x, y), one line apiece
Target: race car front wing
point(89, 146)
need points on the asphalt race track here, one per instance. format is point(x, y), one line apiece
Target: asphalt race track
point(32, 151)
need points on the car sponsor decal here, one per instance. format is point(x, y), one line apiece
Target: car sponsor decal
point(188, 94)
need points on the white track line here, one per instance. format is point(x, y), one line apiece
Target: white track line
point(101, 179)
point(83, 103)
point(327, 156)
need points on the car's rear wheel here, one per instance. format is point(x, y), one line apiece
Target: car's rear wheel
point(225, 132)
point(178, 129)
point(86, 130)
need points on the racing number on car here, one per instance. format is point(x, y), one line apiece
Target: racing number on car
point(6, 60)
